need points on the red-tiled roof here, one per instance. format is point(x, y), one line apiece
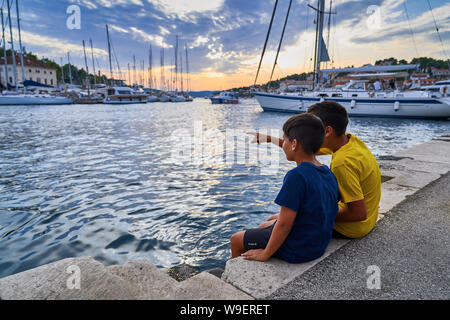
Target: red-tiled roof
point(441, 70)
point(28, 62)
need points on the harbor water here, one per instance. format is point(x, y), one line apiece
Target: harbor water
point(118, 182)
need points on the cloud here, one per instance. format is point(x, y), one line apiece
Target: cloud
point(55, 47)
point(182, 8)
point(139, 34)
point(94, 4)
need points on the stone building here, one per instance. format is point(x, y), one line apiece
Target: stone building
point(34, 70)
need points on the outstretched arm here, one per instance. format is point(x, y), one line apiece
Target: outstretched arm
point(262, 138)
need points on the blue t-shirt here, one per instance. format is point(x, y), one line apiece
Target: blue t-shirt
point(313, 193)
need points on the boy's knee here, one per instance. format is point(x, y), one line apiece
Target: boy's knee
point(237, 239)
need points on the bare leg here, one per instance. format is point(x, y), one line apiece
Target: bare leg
point(267, 224)
point(237, 244)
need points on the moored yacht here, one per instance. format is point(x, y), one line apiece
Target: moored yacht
point(177, 98)
point(124, 95)
point(356, 97)
point(164, 98)
point(33, 99)
point(226, 97)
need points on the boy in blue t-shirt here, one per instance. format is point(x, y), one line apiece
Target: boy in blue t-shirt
point(308, 198)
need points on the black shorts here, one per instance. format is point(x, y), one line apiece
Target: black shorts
point(337, 235)
point(257, 238)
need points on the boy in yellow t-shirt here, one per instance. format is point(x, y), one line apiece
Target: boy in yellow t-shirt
point(355, 168)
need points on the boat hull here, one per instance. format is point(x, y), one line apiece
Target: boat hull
point(405, 108)
point(223, 101)
point(177, 99)
point(125, 99)
point(123, 102)
point(152, 99)
point(33, 100)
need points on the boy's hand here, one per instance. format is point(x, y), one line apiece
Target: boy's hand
point(256, 255)
point(259, 137)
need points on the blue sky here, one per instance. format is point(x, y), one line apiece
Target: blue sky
point(225, 37)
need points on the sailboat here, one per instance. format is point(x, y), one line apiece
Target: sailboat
point(358, 101)
point(188, 97)
point(176, 96)
point(14, 97)
point(151, 97)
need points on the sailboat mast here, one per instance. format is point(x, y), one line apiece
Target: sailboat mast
point(129, 75)
point(188, 80)
point(150, 61)
point(176, 65)
point(20, 41)
point(319, 40)
point(329, 26)
point(134, 70)
point(93, 62)
point(70, 68)
point(163, 77)
point(12, 48)
point(109, 53)
point(87, 68)
point(62, 71)
point(4, 51)
point(143, 73)
point(181, 74)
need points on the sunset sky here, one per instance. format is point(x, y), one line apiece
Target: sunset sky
point(225, 37)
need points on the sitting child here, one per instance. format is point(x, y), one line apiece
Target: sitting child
point(308, 198)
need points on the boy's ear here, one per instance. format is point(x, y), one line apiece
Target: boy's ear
point(329, 131)
point(295, 145)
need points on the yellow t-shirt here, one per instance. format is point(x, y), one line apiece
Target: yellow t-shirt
point(359, 177)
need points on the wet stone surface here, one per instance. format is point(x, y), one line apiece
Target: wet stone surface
point(182, 272)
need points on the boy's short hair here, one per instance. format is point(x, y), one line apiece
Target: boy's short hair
point(332, 114)
point(308, 129)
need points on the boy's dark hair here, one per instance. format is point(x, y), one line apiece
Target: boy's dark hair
point(308, 129)
point(332, 114)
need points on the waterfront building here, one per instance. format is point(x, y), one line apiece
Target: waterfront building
point(440, 73)
point(34, 70)
point(421, 79)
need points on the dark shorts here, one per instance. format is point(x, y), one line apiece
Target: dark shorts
point(257, 238)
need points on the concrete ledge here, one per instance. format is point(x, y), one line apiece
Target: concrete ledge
point(260, 279)
point(392, 195)
point(49, 282)
point(432, 151)
point(206, 286)
point(137, 280)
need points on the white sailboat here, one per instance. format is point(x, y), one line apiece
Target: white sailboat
point(359, 102)
point(33, 99)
